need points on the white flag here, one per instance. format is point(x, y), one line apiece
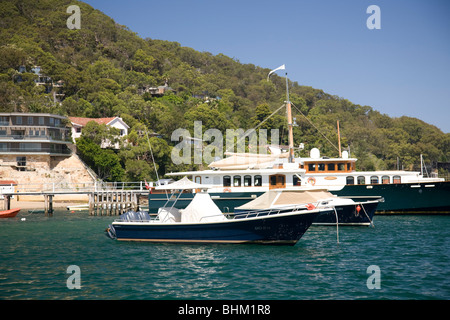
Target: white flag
point(279, 68)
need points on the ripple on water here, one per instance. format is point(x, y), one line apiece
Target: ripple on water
point(412, 253)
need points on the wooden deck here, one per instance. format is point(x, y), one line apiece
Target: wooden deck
point(103, 202)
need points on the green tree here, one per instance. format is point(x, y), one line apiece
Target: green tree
point(100, 133)
point(104, 162)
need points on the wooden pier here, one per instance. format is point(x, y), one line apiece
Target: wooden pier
point(101, 203)
point(112, 203)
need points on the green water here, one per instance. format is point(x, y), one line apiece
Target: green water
point(412, 253)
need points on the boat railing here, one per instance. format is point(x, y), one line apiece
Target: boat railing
point(268, 212)
point(88, 186)
point(140, 216)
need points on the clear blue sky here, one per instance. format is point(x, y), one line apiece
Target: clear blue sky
point(401, 69)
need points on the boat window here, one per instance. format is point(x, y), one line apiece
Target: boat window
point(396, 179)
point(281, 179)
point(296, 181)
point(258, 181)
point(348, 167)
point(321, 166)
point(236, 181)
point(361, 180)
point(373, 180)
point(226, 181)
point(311, 167)
point(331, 167)
point(350, 180)
point(385, 179)
point(247, 181)
point(273, 180)
point(341, 166)
point(198, 179)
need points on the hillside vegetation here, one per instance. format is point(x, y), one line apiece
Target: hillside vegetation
point(104, 65)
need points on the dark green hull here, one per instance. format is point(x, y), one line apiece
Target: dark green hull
point(404, 198)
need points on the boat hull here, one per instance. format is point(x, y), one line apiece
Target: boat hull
point(404, 198)
point(9, 213)
point(349, 215)
point(346, 214)
point(280, 229)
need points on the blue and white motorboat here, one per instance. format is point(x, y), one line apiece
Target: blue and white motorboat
point(345, 211)
point(203, 222)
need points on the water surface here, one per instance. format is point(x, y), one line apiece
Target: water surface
point(412, 253)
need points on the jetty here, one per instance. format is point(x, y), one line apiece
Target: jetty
point(103, 199)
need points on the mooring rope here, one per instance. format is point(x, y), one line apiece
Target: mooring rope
point(337, 224)
point(371, 222)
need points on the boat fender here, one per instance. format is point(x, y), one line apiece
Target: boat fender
point(227, 190)
point(310, 206)
point(311, 181)
point(358, 209)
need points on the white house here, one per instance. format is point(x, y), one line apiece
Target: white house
point(116, 122)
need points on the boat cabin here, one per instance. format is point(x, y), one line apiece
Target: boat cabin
point(259, 173)
point(324, 166)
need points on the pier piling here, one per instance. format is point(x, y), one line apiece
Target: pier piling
point(48, 204)
point(7, 202)
point(112, 203)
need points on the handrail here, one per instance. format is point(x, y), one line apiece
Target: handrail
point(271, 211)
point(245, 215)
point(97, 186)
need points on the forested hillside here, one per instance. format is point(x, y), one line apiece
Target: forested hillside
point(105, 68)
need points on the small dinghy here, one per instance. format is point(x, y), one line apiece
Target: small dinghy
point(9, 213)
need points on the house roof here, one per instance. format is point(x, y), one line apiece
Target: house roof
point(83, 121)
point(7, 182)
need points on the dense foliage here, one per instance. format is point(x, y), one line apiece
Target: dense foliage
point(104, 65)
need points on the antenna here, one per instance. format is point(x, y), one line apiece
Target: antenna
point(289, 114)
point(339, 140)
point(290, 125)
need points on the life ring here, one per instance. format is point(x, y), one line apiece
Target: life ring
point(311, 181)
point(227, 190)
point(310, 206)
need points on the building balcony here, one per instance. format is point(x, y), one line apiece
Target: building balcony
point(38, 120)
point(60, 126)
point(36, 151)
point(39, 138)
